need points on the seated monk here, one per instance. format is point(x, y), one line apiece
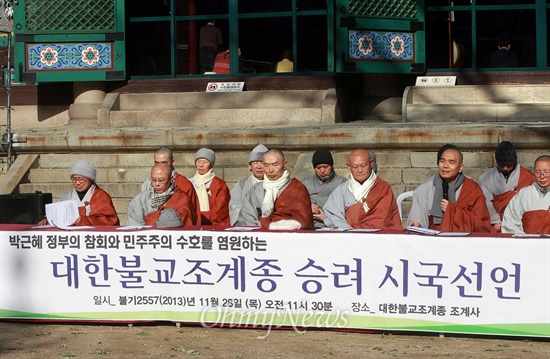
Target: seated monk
point(450, 201)
point(529, 210)
point(364, 201)
point(502, 182)
point(95, 206)
point(212, 191)
point(148, 206)
point(277, 202)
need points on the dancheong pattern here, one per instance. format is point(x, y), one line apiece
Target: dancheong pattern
point(70, 56)
point(380, 46)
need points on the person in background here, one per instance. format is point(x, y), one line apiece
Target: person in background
point(95, 206)
point(163, 204)
point(286, 64)
point(529, 210)
point(242, 187)
point(450, 201)
point(278, 202)
point(503, 57)
point(501, 183)
point(321, 184)
point(212, 191)
point(364, 201)
point(210, 39)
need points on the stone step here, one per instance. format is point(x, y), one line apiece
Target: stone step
point(490, 112)
point(221, 100)
point(478, 94)
point(216, 117)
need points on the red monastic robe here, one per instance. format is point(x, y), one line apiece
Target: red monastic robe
point(469, 214)
point(383, 212)
point(187, 187)
point(500, 202)
point(292, 203)
point(218, 198)
point(179, 201)
point(102, 211)
point(536, 222)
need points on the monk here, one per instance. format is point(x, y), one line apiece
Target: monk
point(163, 205)
point(212, 191)
point(365, 200)
point(529, 210)
point(278, 202)
point(95, 206)
point(321, 184)
point(256, 167)
point(501, 183)
point(166, 156)
point(450, 201)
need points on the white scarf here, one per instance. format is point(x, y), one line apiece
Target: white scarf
point(86, 199)
point(272, 192)
point(361, 191)
point(255, 180)
point(200, 182)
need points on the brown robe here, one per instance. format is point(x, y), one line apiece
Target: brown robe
point(292, 203)
point(102, 211)
point(500, 202)
point(469, 214)
point(179, 201)
point(536, 221)
point(218, 199)
point(383, 212)
point(187, 187)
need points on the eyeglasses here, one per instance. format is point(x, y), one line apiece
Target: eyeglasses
point(79, 179)
point(159, 180)
point(540, 174)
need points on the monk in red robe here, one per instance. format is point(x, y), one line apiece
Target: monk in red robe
point(278, 202)
point(95, 206)
point(212, 192)
point(364, 201)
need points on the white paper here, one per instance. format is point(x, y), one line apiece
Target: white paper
point(133, 227)
point(454, 234)
point(422, 230)
point(366, 230)
point(242, 228)
point(62, 214)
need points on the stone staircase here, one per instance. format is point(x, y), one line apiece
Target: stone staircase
point(476, 103)
point(219, 109)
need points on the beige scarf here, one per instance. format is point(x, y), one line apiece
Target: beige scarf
point(361, 191)
point(272, 192)
point(200, 182)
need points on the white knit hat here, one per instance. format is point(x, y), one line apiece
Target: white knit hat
point(83, 168)
point(257, 153)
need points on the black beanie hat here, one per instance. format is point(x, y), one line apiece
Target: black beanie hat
point(505, 153)
point(322, 157)
point(444, 148)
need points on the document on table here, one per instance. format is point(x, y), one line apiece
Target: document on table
point(133, 228)
point(422, 230)
point(64, 214)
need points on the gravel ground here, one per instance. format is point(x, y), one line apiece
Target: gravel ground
point(39, 340)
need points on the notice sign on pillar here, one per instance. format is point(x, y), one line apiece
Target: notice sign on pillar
point(224, 87)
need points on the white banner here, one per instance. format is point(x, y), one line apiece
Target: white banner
point(382, 281)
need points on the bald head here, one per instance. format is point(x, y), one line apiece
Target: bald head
point(360, 165)
point(161, 177)
point(274, 164)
